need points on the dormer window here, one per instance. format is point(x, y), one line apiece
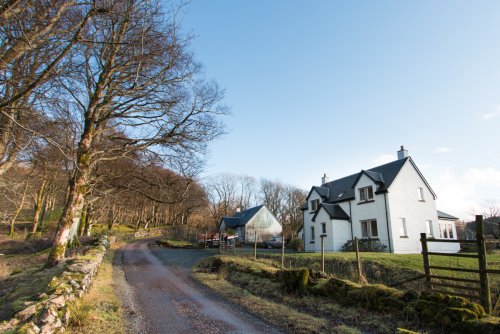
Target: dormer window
point(314, 205)
point(366, 194)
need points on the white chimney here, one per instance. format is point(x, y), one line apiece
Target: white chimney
point(325, 179)
point(402, 153)
point(238, 209)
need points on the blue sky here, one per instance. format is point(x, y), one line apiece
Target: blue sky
point(338, 86)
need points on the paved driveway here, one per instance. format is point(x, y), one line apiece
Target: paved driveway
point(168, 300)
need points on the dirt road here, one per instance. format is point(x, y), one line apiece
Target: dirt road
point(165, 299)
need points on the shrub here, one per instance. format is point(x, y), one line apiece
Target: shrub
point(296, 244)
point(365, 245)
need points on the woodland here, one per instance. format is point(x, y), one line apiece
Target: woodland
point(105, 119)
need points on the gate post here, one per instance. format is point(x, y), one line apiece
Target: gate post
point(483, 274)
point(427, 270)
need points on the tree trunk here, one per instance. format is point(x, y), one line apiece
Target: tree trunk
point(68, 223)
point(18, 210)
point(88, 221)
point(83, 220)
point(39, 204)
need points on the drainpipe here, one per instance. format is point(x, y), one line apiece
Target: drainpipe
point(387, 221)
point(350, 220)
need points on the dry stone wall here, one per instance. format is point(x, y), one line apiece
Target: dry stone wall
point(50, 313)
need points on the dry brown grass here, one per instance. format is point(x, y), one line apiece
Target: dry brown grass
point(276, 314)
point(293, 313)
point(100, 309)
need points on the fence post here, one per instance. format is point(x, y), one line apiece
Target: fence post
point(323, 252)
point(255, 246)
point(283, 251)
point(427, 270)
point(361, 277)
point(483, 274)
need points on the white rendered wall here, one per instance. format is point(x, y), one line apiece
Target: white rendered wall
point(369, 210)
point(404, 203)
point(308, 215)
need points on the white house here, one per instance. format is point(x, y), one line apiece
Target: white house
point(392, 203)
point(257, 219)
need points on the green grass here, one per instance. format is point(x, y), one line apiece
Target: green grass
point(387, 263)
point(118, 229)
point(175, 243)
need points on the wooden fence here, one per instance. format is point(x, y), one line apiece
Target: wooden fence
point(476, 289)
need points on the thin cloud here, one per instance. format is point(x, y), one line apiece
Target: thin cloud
point(461, 194)
point(493, 114)
point(443, 150)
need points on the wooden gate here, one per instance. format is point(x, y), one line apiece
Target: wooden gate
point(476, 289)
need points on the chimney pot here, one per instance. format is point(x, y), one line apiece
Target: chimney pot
point(324, 179)
point(402, 154)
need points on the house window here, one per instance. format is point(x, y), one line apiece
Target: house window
point(420, 193)
point(403, 232)
point(313, 236)
point(369, 228)
point(314, 205)
point(366, 194)
point(428, 226)
point(323, 228)
point(446, 231)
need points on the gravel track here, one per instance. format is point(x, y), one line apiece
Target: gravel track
point(160, 296)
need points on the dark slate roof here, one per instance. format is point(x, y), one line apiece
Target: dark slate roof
point(240, 218)
point(343, 189)
point(322, 191)
point(333, 210)
point(304, 207)
point(444, 215)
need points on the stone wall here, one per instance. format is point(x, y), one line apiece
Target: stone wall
point(151, 232)
point(50, 313)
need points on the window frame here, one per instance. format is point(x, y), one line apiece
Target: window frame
point(314, 205)
point(403, 228)
point(313, 235)
point(420, 194)
point(429, 229)
point(323, 228)
point(446, 231)
point(367, 226)
point(365, 193)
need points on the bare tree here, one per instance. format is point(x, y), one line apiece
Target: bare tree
point(35, 36)
point(247, 192)
point(132, 73)
point(273, 196)
point(292, 217)
point(222, 193)
point(491, 214)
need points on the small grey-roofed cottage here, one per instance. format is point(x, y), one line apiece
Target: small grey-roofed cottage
point(246, 222)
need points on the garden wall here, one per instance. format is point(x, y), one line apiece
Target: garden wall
point(50, 313)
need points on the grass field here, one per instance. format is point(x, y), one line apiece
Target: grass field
point(388, 269)
point(410, 262)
